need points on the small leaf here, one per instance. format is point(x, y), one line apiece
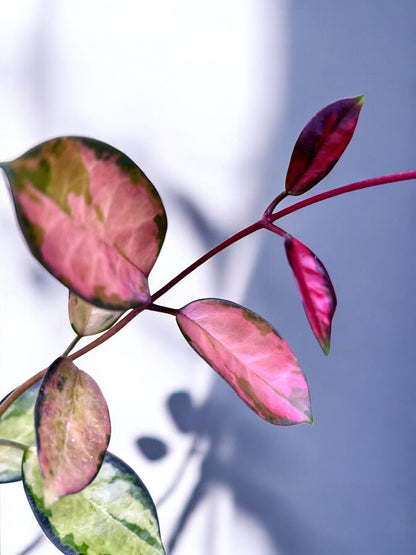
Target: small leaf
point(321, 144)
point(17, 423)
point(315, 287)
point(72, 429)
point(87, 319)
point(114, 515)
point(91, 217)
point(251, 356)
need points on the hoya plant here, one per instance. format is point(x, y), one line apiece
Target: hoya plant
point(94, 220)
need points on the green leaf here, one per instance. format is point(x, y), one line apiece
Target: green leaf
point(72, 429)
point(87, 319)
point(17, 424)
point(91, 217)
point(114, 515)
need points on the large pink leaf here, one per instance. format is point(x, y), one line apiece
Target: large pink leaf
point(315, 287)
point(321, 144)
point(91, 217)
point(72, 429)
point(251, 356)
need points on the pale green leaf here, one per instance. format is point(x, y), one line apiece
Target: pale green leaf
point(114, 515)
point(88, 319)
point(17, 424)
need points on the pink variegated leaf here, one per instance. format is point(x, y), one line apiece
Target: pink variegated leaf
point(88, 319)
point(251, 356)
point(321, 144)
point(72, 429)
point(315, 287)
point(91, 217)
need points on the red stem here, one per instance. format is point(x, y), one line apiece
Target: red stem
point(357, 186)
point(264, 223)
point(274, 228)
point(231, 240)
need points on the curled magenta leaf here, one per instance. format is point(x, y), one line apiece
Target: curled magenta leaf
point(91, 217)
point(114, 514)
point(72, 429)
point(251, 356)
point(315, 287)
point(17, 424)
point(321, 144)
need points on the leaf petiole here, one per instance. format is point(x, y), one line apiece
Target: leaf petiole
point(357, 186)
point(14, 444)
point(71, 346)
point(272, 206)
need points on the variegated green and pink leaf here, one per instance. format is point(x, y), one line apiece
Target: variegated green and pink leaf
point(114, 514)
point(91, 217)
point(251, 356)
point(72, 429)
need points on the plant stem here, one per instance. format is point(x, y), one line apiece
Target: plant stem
point(10, 399)
point(11, 443)
point(275, 202)
point(109, 333)
point(164, 309)
point(264, 223)
point(124, 321)
point(274, 229)
point(357, 186)
point(215, 250)
point(71, 346)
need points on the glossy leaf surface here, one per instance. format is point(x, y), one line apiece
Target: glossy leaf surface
point(72, 429)
point(114, 515)
point(315, 287)
point(251, 356)
point(321, 144)
point(88, 319)
point(17, 424)
point(91, 217)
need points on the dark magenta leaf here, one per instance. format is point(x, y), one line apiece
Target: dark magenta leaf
point(251, 356)
point(91, 217)
point(321, 144)
point(114, 515)
point(315, 287)
point(72, 429)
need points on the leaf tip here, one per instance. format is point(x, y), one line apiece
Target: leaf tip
point(360, 99)
point(325, 345)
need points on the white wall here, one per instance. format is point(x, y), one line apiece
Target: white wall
point(209, 97)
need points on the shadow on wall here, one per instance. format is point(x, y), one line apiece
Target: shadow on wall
point(346, 485)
